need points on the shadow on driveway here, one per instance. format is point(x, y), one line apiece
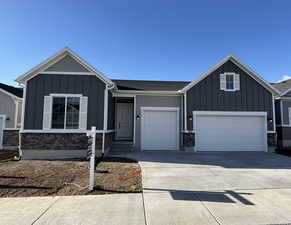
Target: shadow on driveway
point(207, 196)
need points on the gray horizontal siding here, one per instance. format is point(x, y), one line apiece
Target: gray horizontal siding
point(67, 64)
point(45, 84)
point(207, 96)
point(7, 107)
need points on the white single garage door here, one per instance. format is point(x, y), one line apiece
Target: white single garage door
point(159, 128)
point(230, 131)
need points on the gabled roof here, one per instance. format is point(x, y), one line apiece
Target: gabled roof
point(149, 85)
point(11, 91)
point(241, 66)
point(283, 86)
point(57, 57)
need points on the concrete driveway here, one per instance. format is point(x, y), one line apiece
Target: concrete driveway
point(216, 188)
point(179, 188)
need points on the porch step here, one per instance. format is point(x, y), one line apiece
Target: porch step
point(122, 147)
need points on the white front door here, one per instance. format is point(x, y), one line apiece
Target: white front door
point(124, 121)
point(160, 128)
point(2, 121)
point(230, 132)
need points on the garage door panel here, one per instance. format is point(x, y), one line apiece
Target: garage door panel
point(159, 130)
point(230, 133)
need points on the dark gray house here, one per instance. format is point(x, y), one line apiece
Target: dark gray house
point(229, 108)
point(283, 113)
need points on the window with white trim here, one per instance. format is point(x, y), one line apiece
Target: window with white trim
point(229, 81)
point(65, 112)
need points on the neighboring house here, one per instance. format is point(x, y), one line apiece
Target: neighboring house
point(10, 116)
point(229, 108)
point(283, 113)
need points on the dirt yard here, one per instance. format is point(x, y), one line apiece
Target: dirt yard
point(60, 178)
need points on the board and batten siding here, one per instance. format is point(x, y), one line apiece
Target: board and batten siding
point(46, 84)
point(207, 96)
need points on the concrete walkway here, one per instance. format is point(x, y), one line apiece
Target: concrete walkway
point(179, 188)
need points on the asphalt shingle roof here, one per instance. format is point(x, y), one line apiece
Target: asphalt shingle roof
point(12, 90)
point(147, 85)
point(283, 85)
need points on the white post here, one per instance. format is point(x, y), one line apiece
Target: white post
point(92, 160)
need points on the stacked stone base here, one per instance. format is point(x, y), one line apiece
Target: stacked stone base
point(60, 145)
point(11, 139)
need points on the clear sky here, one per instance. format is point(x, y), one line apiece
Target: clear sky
point(149, 39)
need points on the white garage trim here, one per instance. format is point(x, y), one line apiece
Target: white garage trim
point(166, 109)
point(221, 113)
point(2, 116)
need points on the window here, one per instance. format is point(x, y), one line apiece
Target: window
point(229, 79)
point(65, 113)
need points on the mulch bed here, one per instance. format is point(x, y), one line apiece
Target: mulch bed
point(62, 178)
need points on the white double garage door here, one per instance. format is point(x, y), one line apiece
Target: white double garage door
point(214, 131)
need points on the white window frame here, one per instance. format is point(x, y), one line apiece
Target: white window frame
point(66, 96)
point(233, 80)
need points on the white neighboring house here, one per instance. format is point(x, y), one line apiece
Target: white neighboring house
point(10, 116)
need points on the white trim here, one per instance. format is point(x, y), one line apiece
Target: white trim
point(105, 118)
point(241, 66)
point(66, 95)
point(23, 108)
point(240, 114)
point(134, 119)
point(66, 73)
point(146, 108)
point(10, 95)
point(115, 94)
point(56, 131)
point(2, 131)
point(11, 129)
point(188, 131)
point(56, 58)
point(16, 114)
point(228, 113)
point(285, 92)
point(185, 111)
point(169, 109)
point(157, 93)
point(281, 111)
point(274, 114)
point(283, 98)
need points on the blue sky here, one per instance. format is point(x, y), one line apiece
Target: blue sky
point(150, 39)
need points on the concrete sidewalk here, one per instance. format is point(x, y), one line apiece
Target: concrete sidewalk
point(113, 209)
point(268, 206)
